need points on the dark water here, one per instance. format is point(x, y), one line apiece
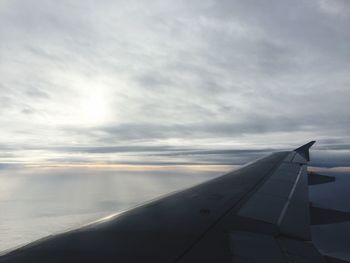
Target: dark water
point(36, 202)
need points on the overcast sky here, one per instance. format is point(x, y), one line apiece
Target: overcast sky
point(88, 81)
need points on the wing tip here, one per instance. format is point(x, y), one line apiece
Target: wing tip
point(304, 150)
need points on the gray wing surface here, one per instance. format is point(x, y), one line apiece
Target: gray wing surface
point(259, 213)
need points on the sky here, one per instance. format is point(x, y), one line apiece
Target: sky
point(172, 82)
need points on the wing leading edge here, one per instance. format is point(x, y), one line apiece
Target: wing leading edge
point(258, 213)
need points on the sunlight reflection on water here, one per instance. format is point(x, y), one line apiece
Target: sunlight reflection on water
point(37, 202)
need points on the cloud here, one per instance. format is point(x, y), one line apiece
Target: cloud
point(95, 75)
point(335, 8)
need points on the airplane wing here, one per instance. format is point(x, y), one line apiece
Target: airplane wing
point(259, 213)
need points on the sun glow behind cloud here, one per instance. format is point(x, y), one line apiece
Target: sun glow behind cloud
point(94, 109)
point(84, 102)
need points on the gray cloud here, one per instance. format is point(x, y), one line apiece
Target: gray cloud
point(190, 74)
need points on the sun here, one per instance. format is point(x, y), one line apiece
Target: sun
point(94, 108)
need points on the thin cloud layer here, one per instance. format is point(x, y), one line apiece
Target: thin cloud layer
point(202, 75)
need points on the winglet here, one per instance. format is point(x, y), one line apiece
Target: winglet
point(304, 150)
